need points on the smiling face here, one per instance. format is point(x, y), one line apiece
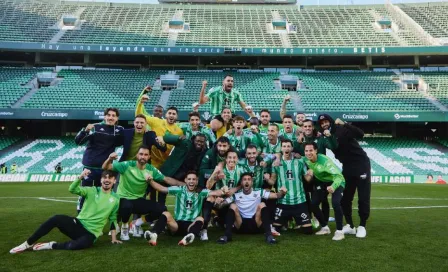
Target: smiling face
point(325, 124)
point(251, 155)
point(272, 134)
point(226, 115)
point(157, 112)
point(311, 153)
point(199, 142)
point(111, 118)
point(231, 159)
point(307, 128)
point(140, 124)
point(195, 122)
point(222, 148)
point(191, 180)
point(143, 156)
point(107, 182)
point(265, 118)
point(171, 116)
point(300, 117)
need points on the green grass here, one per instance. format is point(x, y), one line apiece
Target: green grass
point(398, 239)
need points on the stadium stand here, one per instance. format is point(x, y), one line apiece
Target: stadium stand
point(93, 89)
point(13, 84)
point(437, 85)
point(214, 25)
point(30, 21)
point(430, 16)
point(359, 91)
point(6, 141)
point(404, 156)
point(388, 156)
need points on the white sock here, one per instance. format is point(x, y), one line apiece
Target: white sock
point(125, 226)
point(26, 244)
point(139, 222)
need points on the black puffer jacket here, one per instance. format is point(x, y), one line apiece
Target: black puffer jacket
point(354, 159)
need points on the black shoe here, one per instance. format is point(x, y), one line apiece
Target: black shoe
point(223, 240)
point(271, 240)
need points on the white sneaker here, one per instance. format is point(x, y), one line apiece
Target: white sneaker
point(124, 235)
point(188, 239)
point(43, 246)
point(203, 234)
point(20, 248)
point(140, 231)
point(324, 231)
point(315, 223)
point(361, 232)
point(338, 235)
point(331, 219)
point(348, 230)
point(151, 237)
point(135, 231)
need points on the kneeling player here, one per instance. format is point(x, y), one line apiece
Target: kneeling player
point(187, 209)
point(290, 174)
point(100, 205)
point(248, 214)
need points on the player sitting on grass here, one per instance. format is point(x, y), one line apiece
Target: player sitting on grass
point(247, 213)
point(187, 209)
point(100, 205)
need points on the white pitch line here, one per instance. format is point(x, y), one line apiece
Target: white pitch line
point(408, 198)
point(57, 200)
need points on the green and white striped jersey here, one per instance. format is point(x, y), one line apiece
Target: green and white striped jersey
point(241, 142)
point(258, 172)
point(232, 177)
point(220, 99)
point(290, 175)
point(272, 149)
point(188, 204)
point(189, 133)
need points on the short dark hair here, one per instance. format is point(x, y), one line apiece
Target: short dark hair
point(286, 141)
point(158, 106)
point(307, 120)
point(225, 108)
point(251, 146)
point(223, 140)
point(265, 110)
point(106, 111)
point(274, 125)
point(312, 143)
point(245, 174)
point(140, 116)
point(194, 113)
point(297, 113)
point(145, 147)
point(429, 175)
point(191, 172)
point(228, 75)
point(238, 118)
point(109, 173)
point(173, 108)
point(287, 116)
point(232, 151)
point(199, 135)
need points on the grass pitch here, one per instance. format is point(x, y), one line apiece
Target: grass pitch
point(407, 231)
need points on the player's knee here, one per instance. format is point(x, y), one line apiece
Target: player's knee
point(336, 203)
point(234, 207)
point(211, 199)
point(167, 215)
point(200, 218)
point(261, 206)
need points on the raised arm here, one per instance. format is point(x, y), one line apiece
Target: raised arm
point(283, 107)
point(202, 97)
point(173, 182)
point(350, 131)
point(216, 175)
point(75, 188)
point(157, 186)
point(107, 165)
point(84, 134)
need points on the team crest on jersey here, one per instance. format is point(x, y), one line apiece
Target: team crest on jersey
point(111, 200)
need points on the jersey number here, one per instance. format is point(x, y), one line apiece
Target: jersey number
point(278, 212)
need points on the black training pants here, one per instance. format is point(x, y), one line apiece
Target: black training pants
point(70, 226)
point(363, 184)
point(140, 206)
point(321, 193)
